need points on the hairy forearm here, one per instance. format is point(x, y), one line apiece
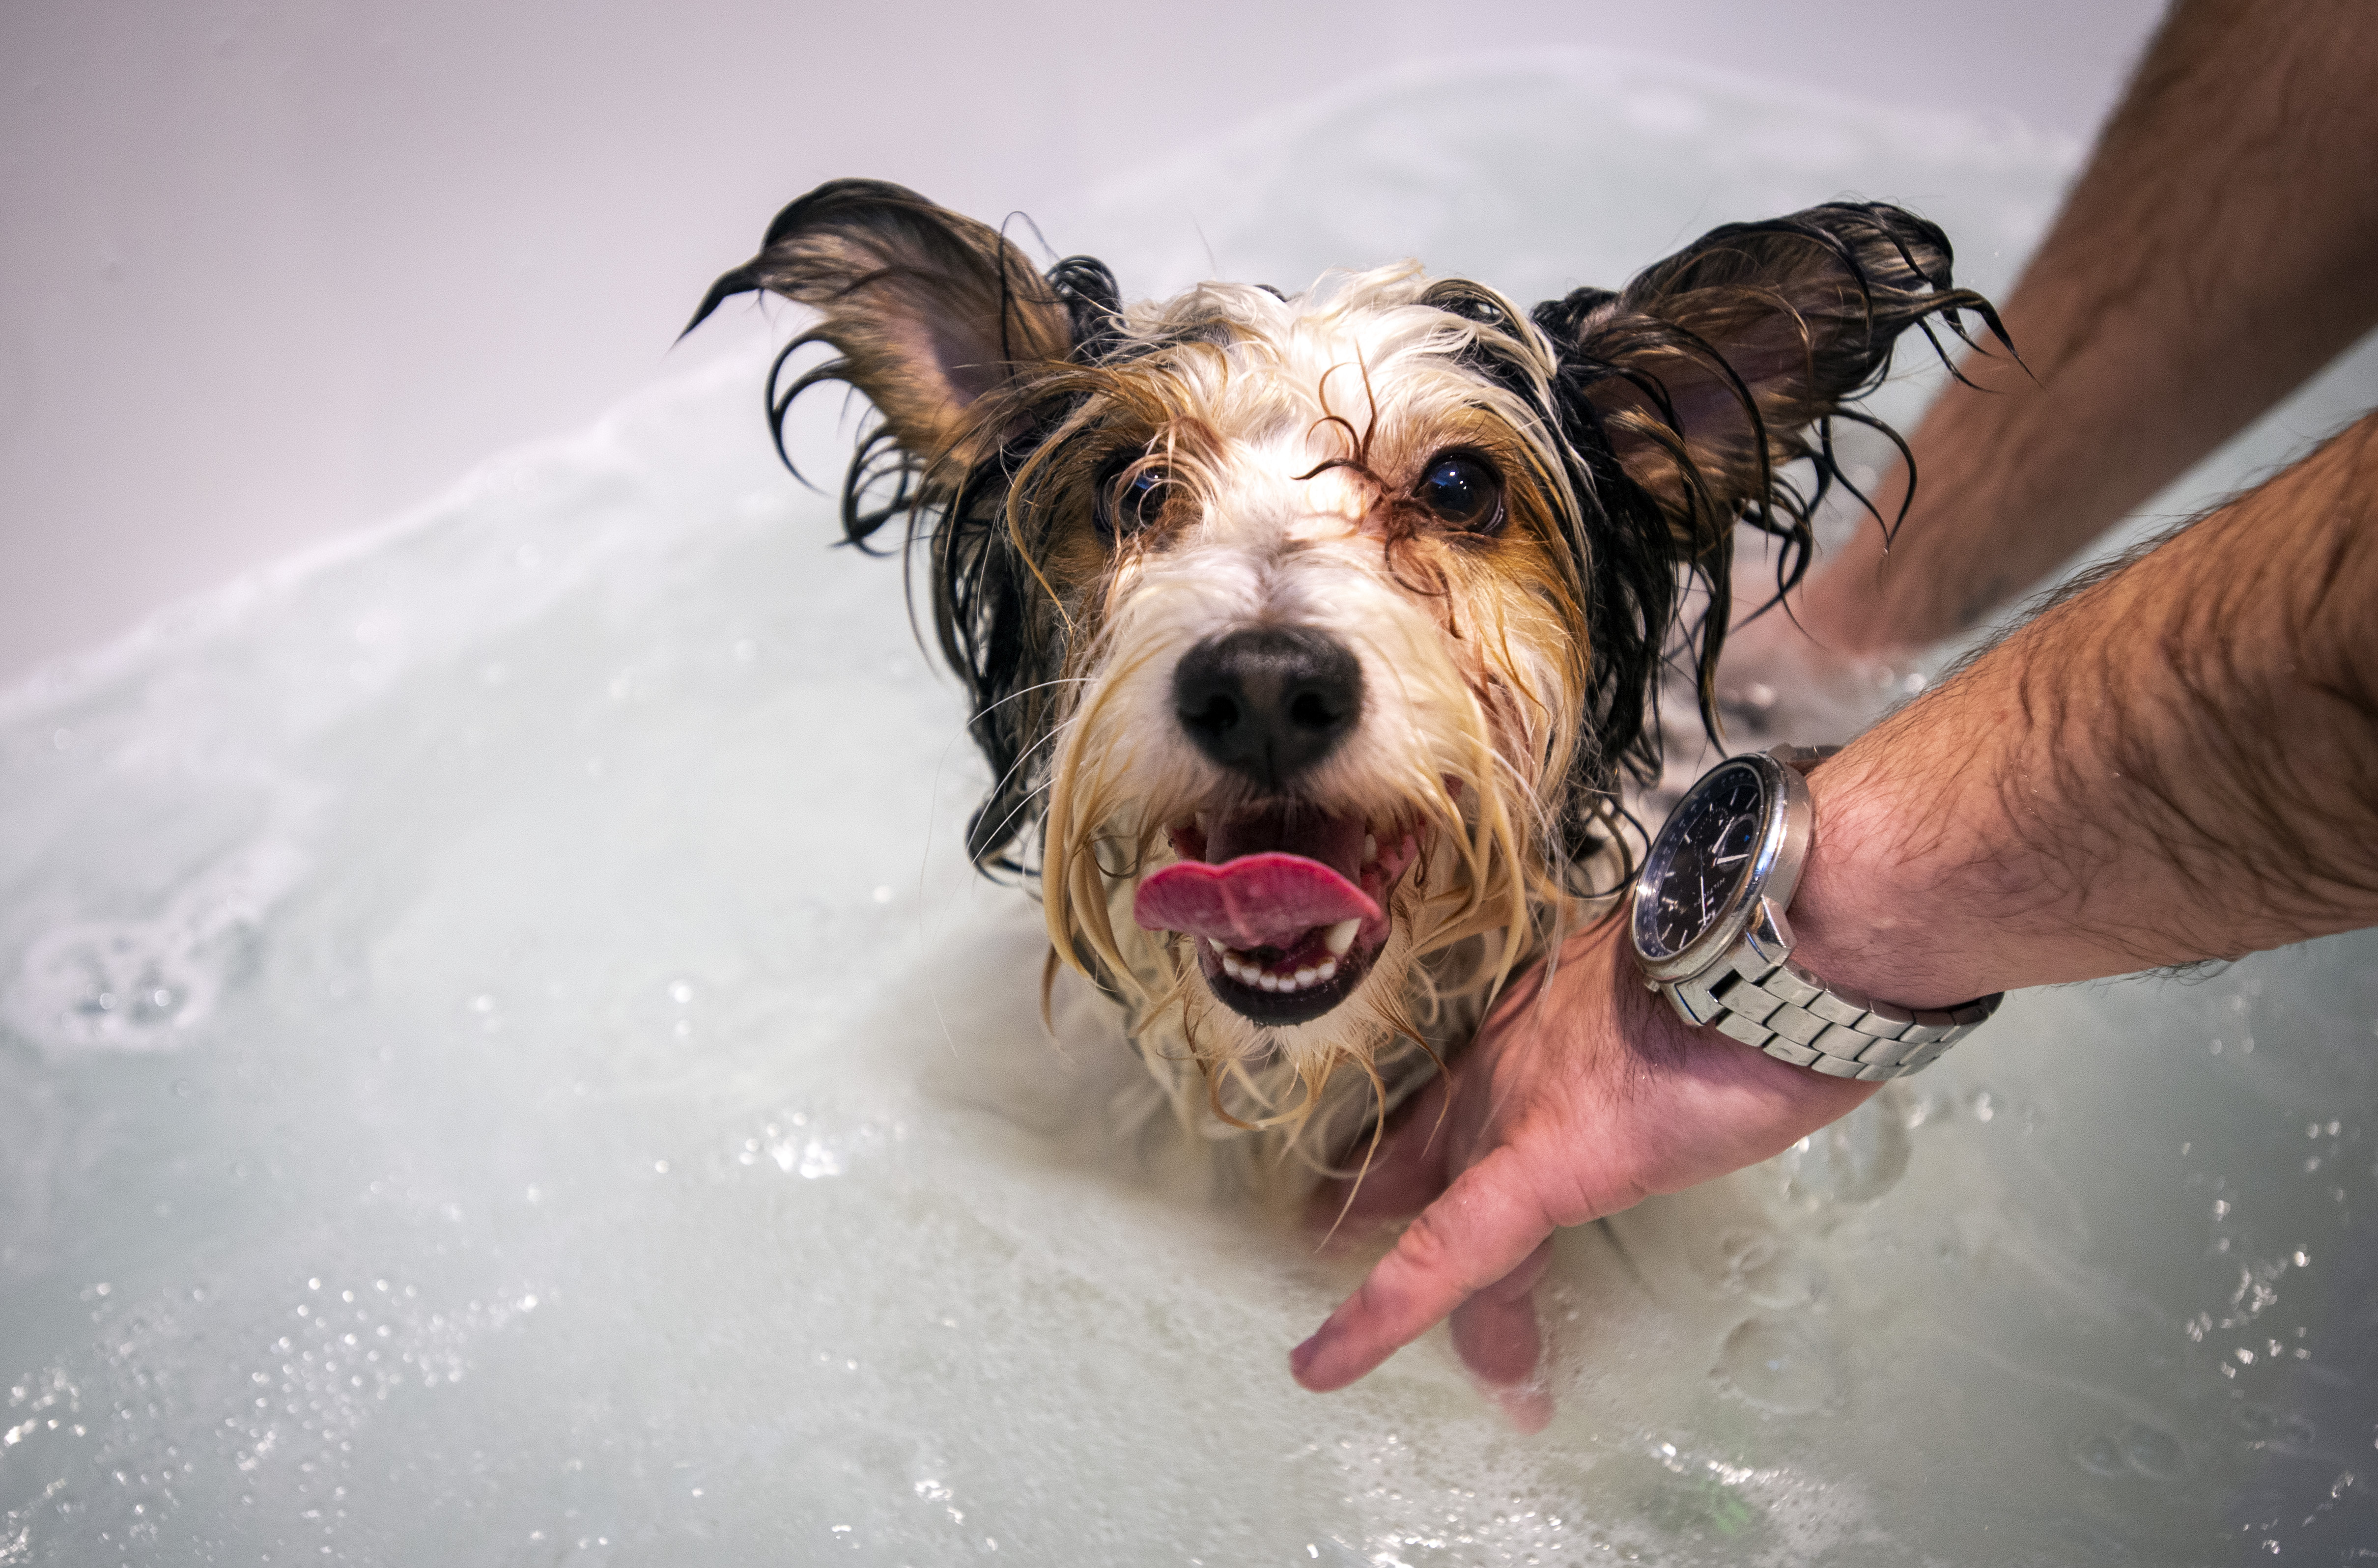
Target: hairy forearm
point(2215, 253)
point(2177, 761)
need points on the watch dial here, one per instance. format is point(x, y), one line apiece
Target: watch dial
point(1700, 862)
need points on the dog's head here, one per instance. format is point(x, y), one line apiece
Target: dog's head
point(1311, 633)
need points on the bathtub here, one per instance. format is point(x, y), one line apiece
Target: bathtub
point(502, 1061)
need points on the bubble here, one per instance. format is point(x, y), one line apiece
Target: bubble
point(1856, 1160)
point(2154, 1454)
point(2099, 1454)
point(1769, 1271)
point(135, 986)
point(1779, 1364)
point(146, 985)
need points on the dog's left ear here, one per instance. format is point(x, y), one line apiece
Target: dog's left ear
point(929, 310)
point(1703, 373)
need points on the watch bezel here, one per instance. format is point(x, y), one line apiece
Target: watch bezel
point(1787, 825)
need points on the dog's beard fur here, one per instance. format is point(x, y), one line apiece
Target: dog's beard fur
point(1104, 489)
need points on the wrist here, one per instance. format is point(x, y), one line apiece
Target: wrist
point(1708, 923)
point(1873, 911)
point(1604, 960)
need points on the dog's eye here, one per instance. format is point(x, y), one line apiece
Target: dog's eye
point(1464, 492)
point(1129, 500)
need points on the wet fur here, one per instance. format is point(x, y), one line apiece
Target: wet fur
point(1508, 676)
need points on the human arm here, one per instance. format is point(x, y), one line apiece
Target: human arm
point(2218, 249)
point(2179, 762)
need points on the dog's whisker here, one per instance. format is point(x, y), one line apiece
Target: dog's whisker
point(1024, 759)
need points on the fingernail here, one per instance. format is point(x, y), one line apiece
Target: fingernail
point(1302, 1357)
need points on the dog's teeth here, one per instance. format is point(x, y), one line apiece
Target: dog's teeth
point(1370, 847)
point(1251, 972)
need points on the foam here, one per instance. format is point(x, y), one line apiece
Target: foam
point(597, 1117)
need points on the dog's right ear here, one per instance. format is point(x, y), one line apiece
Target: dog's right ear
point(929, 310)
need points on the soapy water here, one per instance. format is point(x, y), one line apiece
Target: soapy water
point(504, 1063)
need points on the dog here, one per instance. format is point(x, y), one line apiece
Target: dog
point(1310, 637)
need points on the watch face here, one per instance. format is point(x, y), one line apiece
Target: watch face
point(1701, 861)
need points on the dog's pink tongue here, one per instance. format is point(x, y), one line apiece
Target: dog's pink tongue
point(1266, 900)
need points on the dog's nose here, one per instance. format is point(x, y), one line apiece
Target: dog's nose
point(1269, 702)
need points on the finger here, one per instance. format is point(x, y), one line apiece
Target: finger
point(1484, 1226)
point(1526, 1406)
point(1402, 1175)
point(1495, 1330)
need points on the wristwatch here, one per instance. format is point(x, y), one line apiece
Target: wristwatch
point(1711, 934)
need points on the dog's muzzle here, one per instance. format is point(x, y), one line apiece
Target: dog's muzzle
point(1287, 900)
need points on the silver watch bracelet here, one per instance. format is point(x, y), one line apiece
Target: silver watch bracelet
point(1780, 1008)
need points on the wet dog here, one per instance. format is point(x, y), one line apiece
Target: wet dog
point(1310, 637)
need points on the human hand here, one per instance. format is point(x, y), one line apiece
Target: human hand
point(1579, 1098)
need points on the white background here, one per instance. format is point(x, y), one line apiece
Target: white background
point(272, 270)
